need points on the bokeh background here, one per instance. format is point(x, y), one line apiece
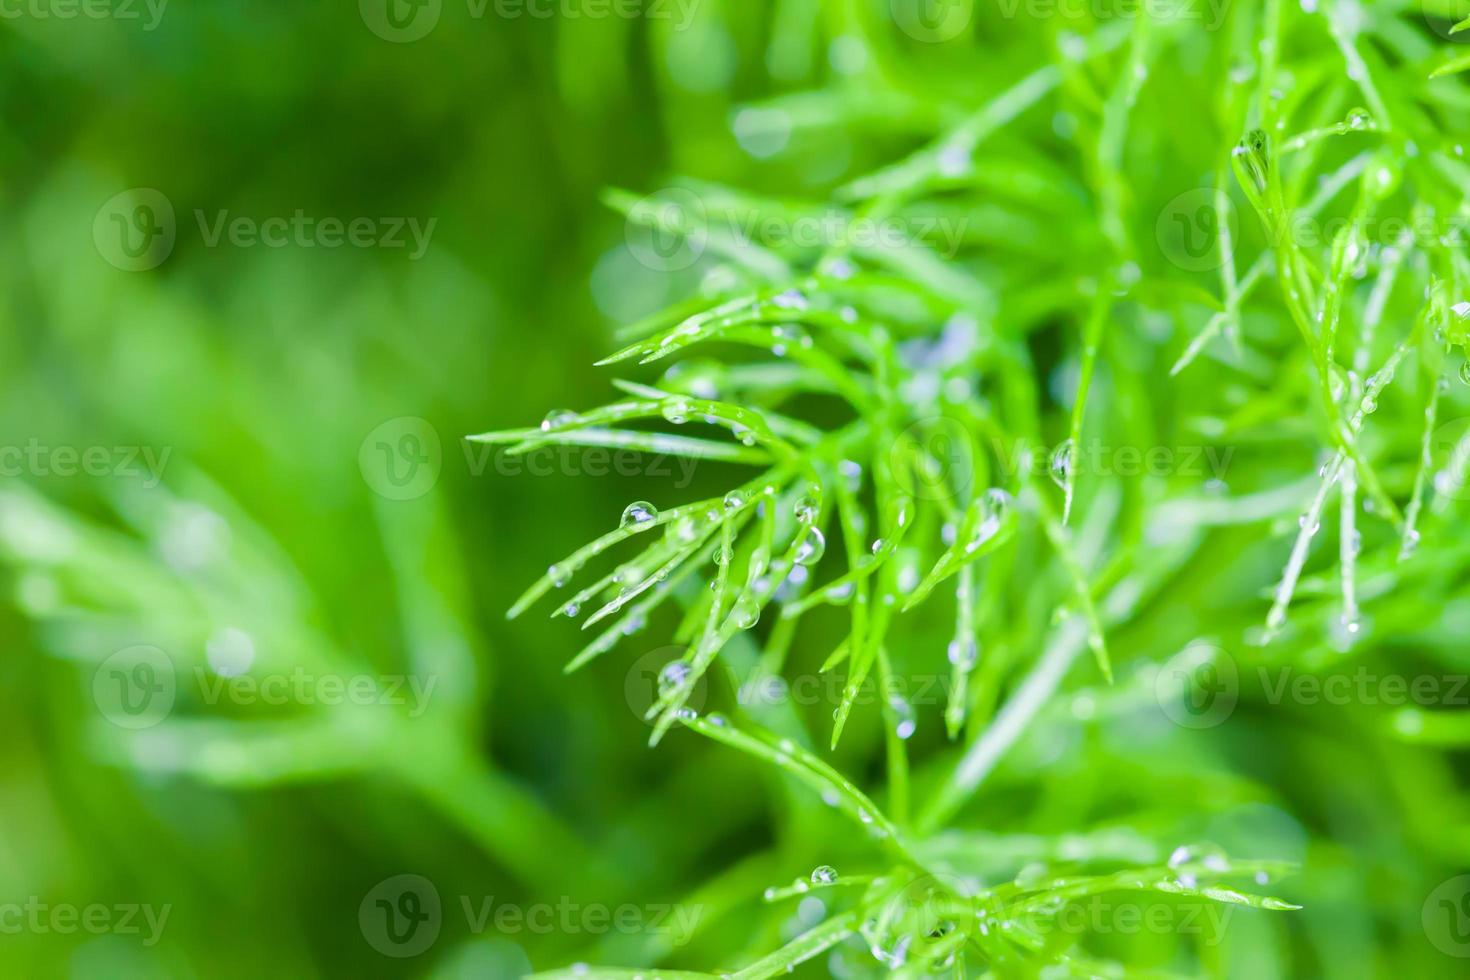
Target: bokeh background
point(274, 535)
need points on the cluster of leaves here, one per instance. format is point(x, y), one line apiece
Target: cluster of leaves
point(895, 404)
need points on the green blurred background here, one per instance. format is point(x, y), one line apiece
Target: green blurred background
point(268, 379)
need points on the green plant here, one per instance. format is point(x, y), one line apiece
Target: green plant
point(923, 429)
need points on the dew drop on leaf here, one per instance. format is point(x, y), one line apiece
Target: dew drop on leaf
point(558, 418)
point(640, 513)
point(812, 547)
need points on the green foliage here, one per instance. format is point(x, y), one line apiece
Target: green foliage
point(1062, 396)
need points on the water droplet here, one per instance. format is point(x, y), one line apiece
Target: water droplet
point(824, 875)
point(721, 556)
point(736, 499)
point(676, 412)
point(791, 333)
point(558, 418)
point(998, 502)
point(904, 722)
point(791, 299)
point(746, 611)
point(805, 509)
point(1063, 459)
point(1359, 119)
point(673, 676)
point(560, 575)
point(812, 548)
point(570, 609)
point(1465, 372)
point(852, 474)
point(685, 529)
point(640, 513)
point(963, 653)
point(839, 268)
point(953, 161)
point(839, 594)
